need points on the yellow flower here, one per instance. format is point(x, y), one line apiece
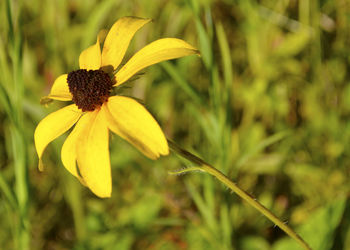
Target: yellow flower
point(94, 112)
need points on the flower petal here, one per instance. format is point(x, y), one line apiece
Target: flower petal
point(69, 152)
point(54, 125)
point(155, 52)
point(90, 58)
point(118, 39)
point(131, 121)
point(93, 153)
point(59, 90)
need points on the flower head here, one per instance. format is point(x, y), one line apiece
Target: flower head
point(94, 112)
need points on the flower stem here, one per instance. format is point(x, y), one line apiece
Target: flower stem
point(205, 167)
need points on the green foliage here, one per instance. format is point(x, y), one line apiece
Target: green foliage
point(322, 223)
point(267, 103)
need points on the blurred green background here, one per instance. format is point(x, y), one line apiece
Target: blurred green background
point(267, 103)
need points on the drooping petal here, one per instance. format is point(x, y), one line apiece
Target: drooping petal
point(131, 121)
point(69, 152)
point(155, 52)
point(54, 125)
point(59, 90)
point(90, 58)
point(93, 153)
point(118, 39)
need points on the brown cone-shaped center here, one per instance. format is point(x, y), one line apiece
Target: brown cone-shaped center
point(90, 89)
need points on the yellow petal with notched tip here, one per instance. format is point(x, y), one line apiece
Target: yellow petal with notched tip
point(93, 153)
point(69, 152)
point(90, 58)
point(102, 35)
point(60, 90)
point(54, 125)
point(118, 39)
point(155, 52)
point(131, 121)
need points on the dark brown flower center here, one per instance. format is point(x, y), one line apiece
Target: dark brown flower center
point(90, 89)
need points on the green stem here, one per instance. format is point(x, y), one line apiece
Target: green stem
point(15, 103)
point(205, 167)
point(21, 188)
point(5, 188)
point(73, 195)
